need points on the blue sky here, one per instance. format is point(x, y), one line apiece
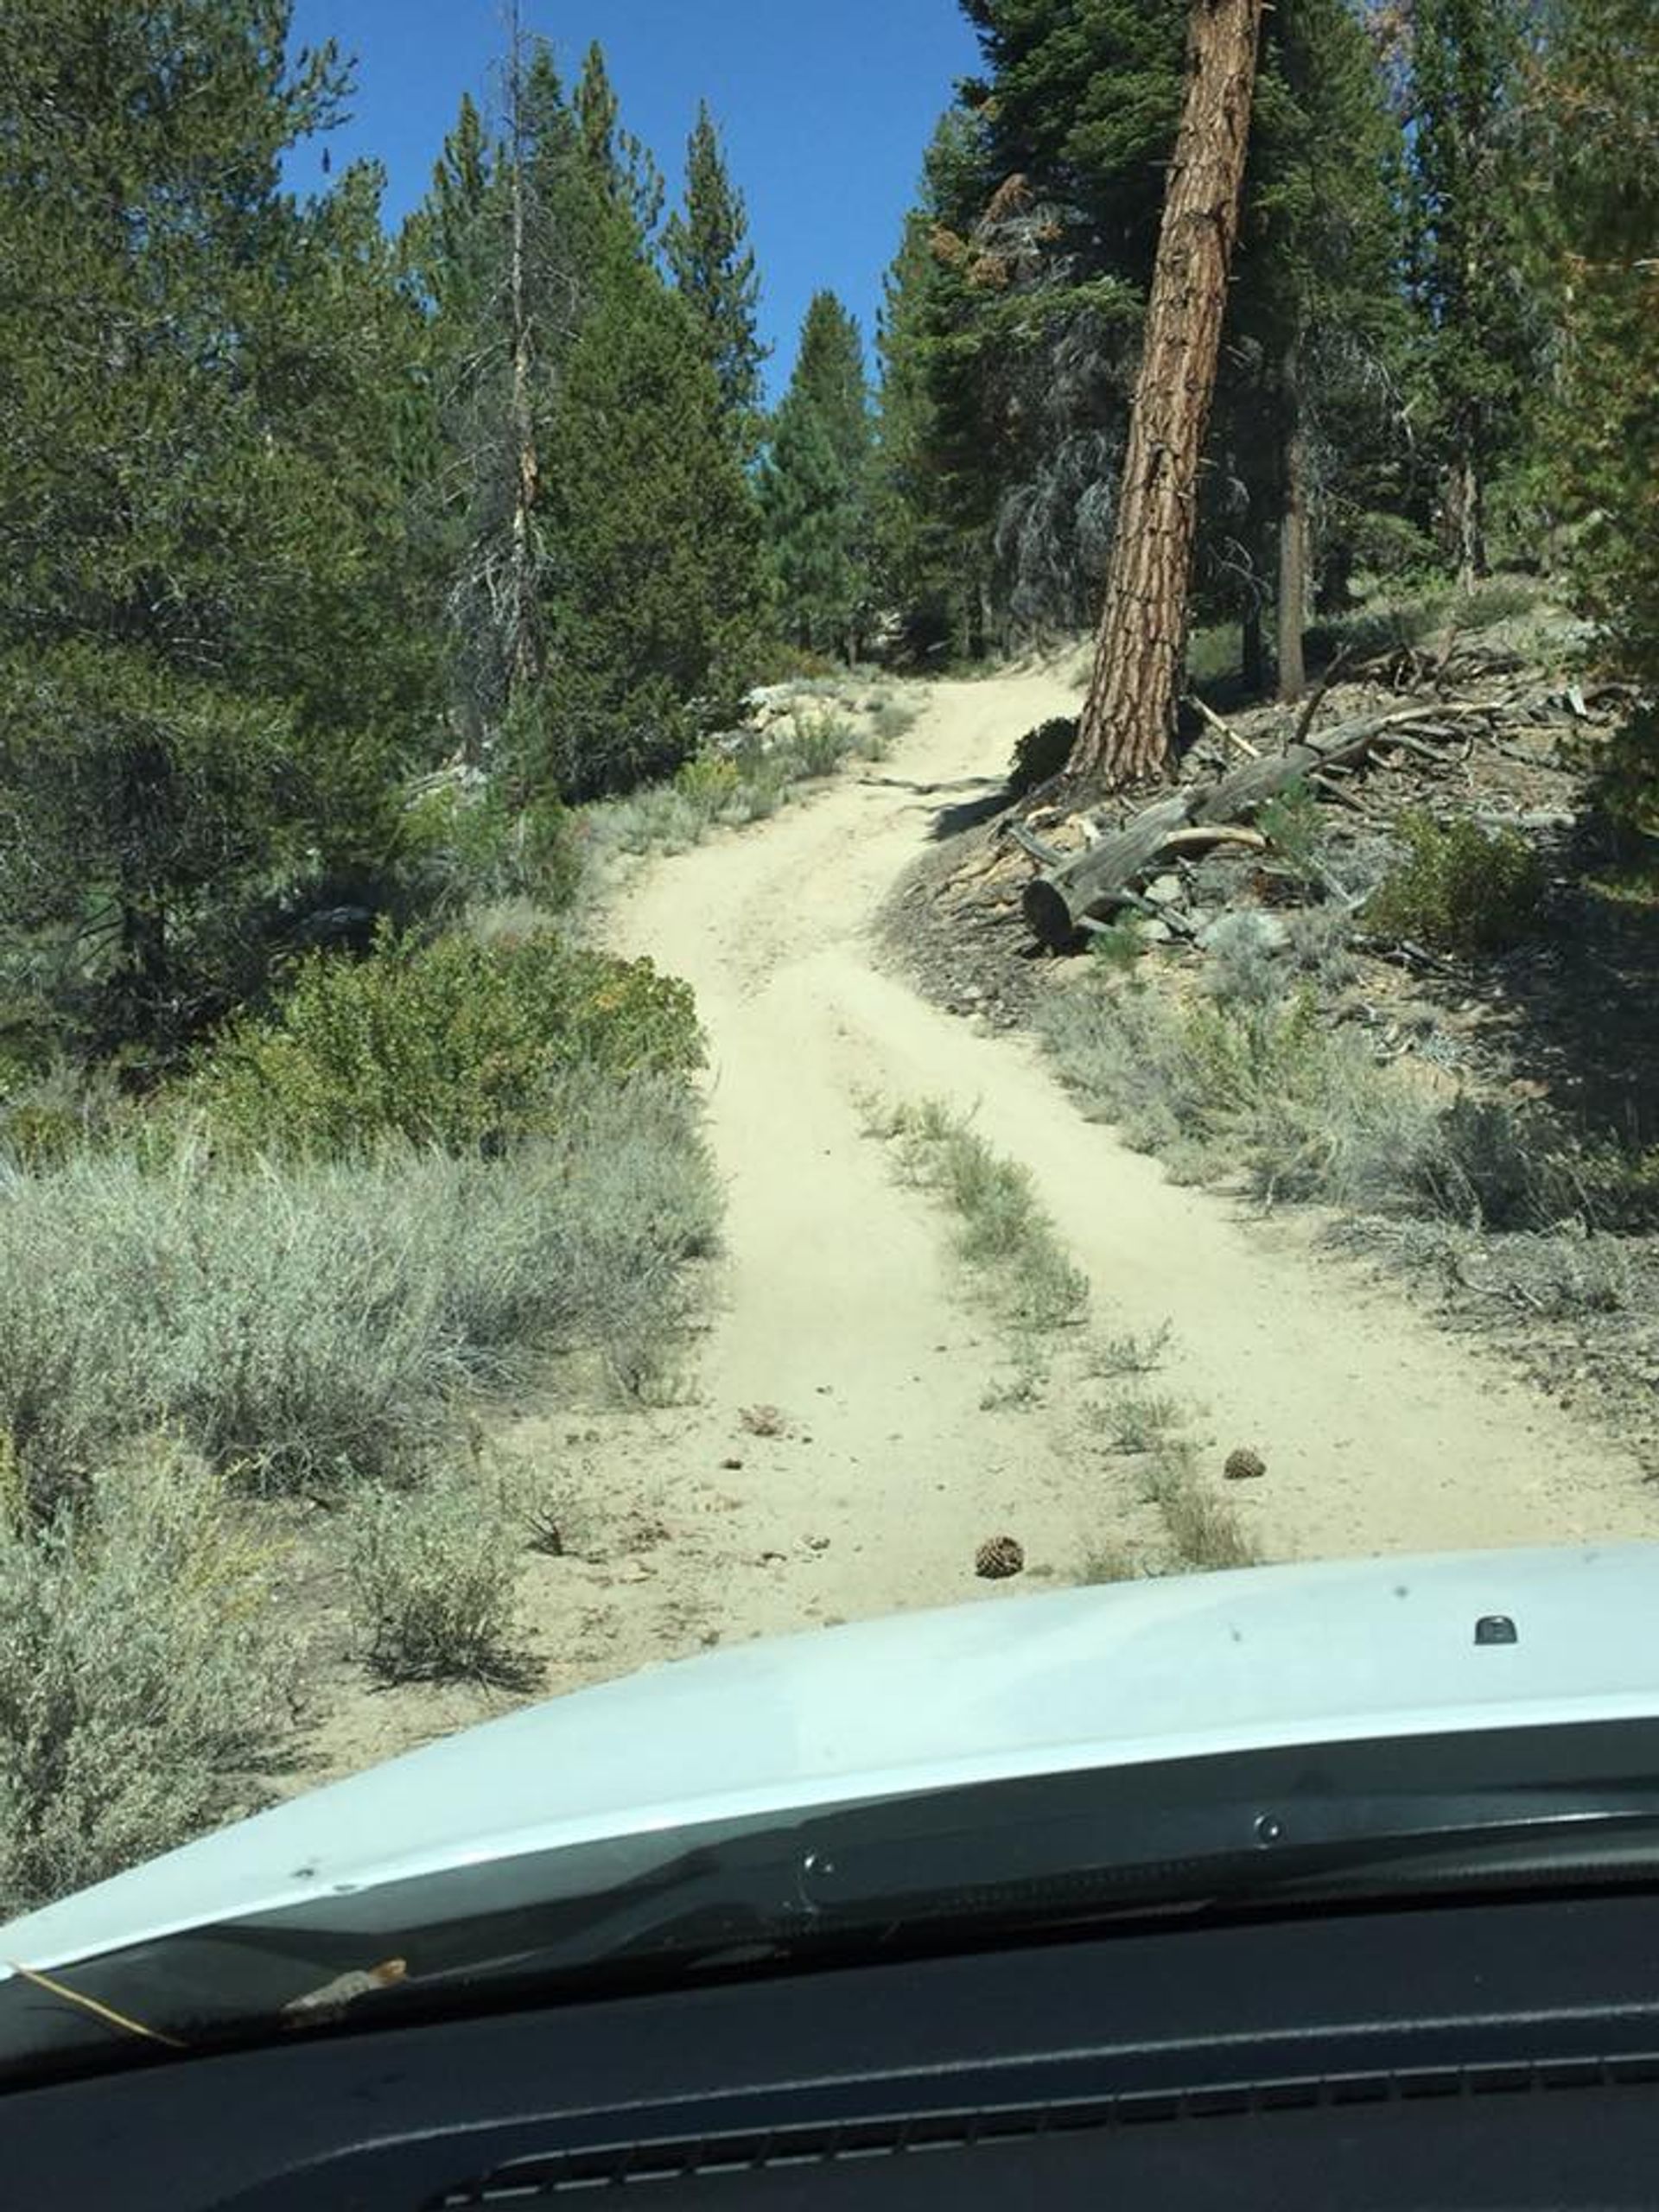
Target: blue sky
point(826, 106)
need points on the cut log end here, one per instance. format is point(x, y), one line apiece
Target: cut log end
point(1048, 915)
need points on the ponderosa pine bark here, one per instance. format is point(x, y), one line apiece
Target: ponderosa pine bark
point(1128, 724)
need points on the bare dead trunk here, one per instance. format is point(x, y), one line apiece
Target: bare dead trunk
point(1292, 533)
point(1252, 651)
point(524, 660)
point(1128, 719)
point(1471, 497)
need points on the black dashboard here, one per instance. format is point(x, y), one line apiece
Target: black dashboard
point(1495, 2054)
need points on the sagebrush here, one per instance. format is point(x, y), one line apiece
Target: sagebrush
point(308, 1322)
point(144, 1675)
point(434, 1575)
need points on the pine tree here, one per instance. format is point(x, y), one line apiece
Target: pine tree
point(1049, 229)
point(937, 471)
point(494, 258)
point(640, 552)
point(816, 487)
point(622, 164)
point(1308, 398)
point(209, 668)
point(712, 264)
point(1468, 253)
point(1598, 99)
point(1044, 257)
point(653, 598)
point(1128, 724)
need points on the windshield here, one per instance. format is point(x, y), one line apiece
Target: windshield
point(806, 813)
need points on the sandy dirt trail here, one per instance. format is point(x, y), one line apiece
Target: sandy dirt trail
point(845, 1310)
point(840, 1305)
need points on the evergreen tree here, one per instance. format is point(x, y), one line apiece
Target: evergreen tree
point(1598, 99)
point(209, 663)
point(1468, 264)
point(937, 471)
point(621, 161)
point(712, 264)
point(493, 257)
point(1306, 431)
point(643, 539)
point(816, 487)
point(653, 599)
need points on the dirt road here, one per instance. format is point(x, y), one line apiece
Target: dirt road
point(846, 1312)
point(868, 1470)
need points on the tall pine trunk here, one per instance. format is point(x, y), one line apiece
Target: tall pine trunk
point(524, 659)
point(1293, 530)
point(1128, 725)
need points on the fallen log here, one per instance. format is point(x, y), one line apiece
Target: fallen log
point(1058, 899)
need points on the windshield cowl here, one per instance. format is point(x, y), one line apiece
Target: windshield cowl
point(1279, 1829)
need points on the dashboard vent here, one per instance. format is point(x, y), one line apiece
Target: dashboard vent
point(682, 2158)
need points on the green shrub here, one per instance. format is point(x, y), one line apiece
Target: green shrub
point(1247, 964)
point(1112, 1357)
point(433, 1574)
point(1293, 821)
point(1041, 753)
point(455, 1042)
point(1118, 946)
point(747, 783)
point(891, 720)
point(1136, 1421)
point(709, 781)
point(314, 1322)
point(1320, 940)
point(1458, 888)
point(461, 847)
point(142, 1674)
point(1618, 1188)
point(780, 660)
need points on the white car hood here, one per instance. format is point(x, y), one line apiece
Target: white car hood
point(1094, 1677)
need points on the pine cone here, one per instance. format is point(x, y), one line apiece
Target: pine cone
point(1243, 1464)
point(998, 1557)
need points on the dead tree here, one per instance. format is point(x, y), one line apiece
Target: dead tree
point(524, 663)
point(1128, 718)
point(1293, 530)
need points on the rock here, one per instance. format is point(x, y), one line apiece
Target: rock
point(1164, 890)
point(998, 1557)
point(1243, 1464)
point(1154, 932)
